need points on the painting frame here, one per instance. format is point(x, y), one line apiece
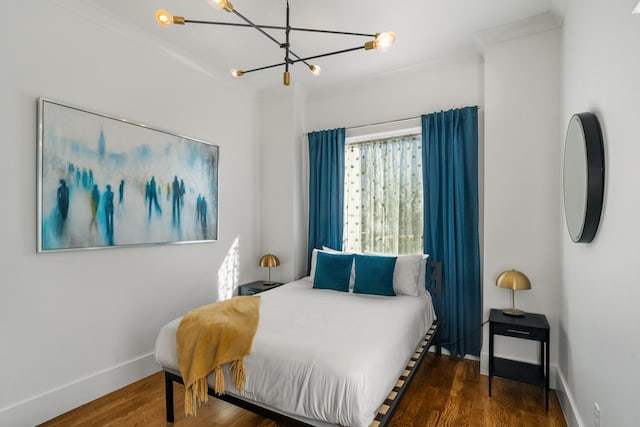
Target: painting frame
point(107, 182)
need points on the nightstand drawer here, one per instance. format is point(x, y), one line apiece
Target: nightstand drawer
point(257, 287)
point(519, 331)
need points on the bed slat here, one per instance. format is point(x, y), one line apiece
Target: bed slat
point(389, 406)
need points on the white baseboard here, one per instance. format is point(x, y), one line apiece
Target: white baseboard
point(556, 382)
point(567, 403)
point(446, 352)
point(52, 403)
point(59, 400)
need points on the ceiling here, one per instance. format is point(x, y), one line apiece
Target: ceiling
point(426, 30)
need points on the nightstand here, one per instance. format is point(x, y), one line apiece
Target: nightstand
point(529, 327)
point(257, 287)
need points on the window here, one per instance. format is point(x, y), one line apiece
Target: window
point(383, 193)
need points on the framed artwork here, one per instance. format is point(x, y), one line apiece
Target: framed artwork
point(107, 182)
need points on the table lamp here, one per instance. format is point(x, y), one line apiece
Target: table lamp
point(269, 260)
point(516, 281)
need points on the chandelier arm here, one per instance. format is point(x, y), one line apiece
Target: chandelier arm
point(298, 59)
point(266, 67)
point(337, 52)
point(275, 27)
point(345, 33)
point(257, 27)
point(322, 55)
point(235, 24)
point(230, 24)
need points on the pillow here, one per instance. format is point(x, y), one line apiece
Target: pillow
point(332, 271)
point(374, 274)
point(352, 279)
point(314, 256)
point(422, 276)
point(312, 270)
point(406, 273)
point(405, 276)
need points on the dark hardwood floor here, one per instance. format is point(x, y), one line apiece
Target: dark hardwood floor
point(445, 392)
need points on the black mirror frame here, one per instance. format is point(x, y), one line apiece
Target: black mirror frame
point(594, 146)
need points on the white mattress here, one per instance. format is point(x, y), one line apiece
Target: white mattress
point(322, 354)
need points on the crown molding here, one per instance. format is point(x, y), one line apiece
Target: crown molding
point(533, 25)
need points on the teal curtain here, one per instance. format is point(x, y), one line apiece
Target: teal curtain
point(383, 195)
point(450, 176)
point(326, 189)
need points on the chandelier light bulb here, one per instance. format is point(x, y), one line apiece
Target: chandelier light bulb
point(221, 4)
point(315, 69)
point(385, 40)
point(237, 73)
point(163, 17)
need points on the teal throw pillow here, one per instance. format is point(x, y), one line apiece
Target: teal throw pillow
point(333, 271)
point(374, 275)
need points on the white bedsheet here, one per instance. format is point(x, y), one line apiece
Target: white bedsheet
point(322, 354)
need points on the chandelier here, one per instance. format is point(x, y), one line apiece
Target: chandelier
point(381, 41)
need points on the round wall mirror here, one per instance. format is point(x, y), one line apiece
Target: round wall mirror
point(583, 176)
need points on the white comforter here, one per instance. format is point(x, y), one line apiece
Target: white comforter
point(322, 354)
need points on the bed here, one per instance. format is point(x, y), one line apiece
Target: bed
point(322, 357)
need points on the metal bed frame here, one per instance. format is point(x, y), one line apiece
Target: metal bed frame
point(387, 409)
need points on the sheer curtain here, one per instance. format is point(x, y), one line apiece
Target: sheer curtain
point(326, 189)
point(383, 195)
point(450, 158)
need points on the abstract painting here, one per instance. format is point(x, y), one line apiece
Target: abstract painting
point(107, 182)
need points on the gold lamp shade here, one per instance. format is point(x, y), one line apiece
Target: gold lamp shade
point(516, 281)
point(269, 260)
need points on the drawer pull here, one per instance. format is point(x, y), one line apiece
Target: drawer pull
point(515, 331)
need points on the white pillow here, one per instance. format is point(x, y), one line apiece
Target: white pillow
point(423, 273)
point(312, 270)
point(406, 274)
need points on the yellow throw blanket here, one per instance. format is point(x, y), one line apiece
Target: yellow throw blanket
point(210, 336)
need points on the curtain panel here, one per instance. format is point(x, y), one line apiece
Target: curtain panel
point(450, 175)
point(326, 189)
point(383, 198)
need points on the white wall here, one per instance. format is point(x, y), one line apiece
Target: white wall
point(599, 346)
point(283, 223)
point(76, 325)
point(522, 176)
point(449, 83)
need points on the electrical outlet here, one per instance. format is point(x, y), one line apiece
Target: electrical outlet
point(596, 414)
